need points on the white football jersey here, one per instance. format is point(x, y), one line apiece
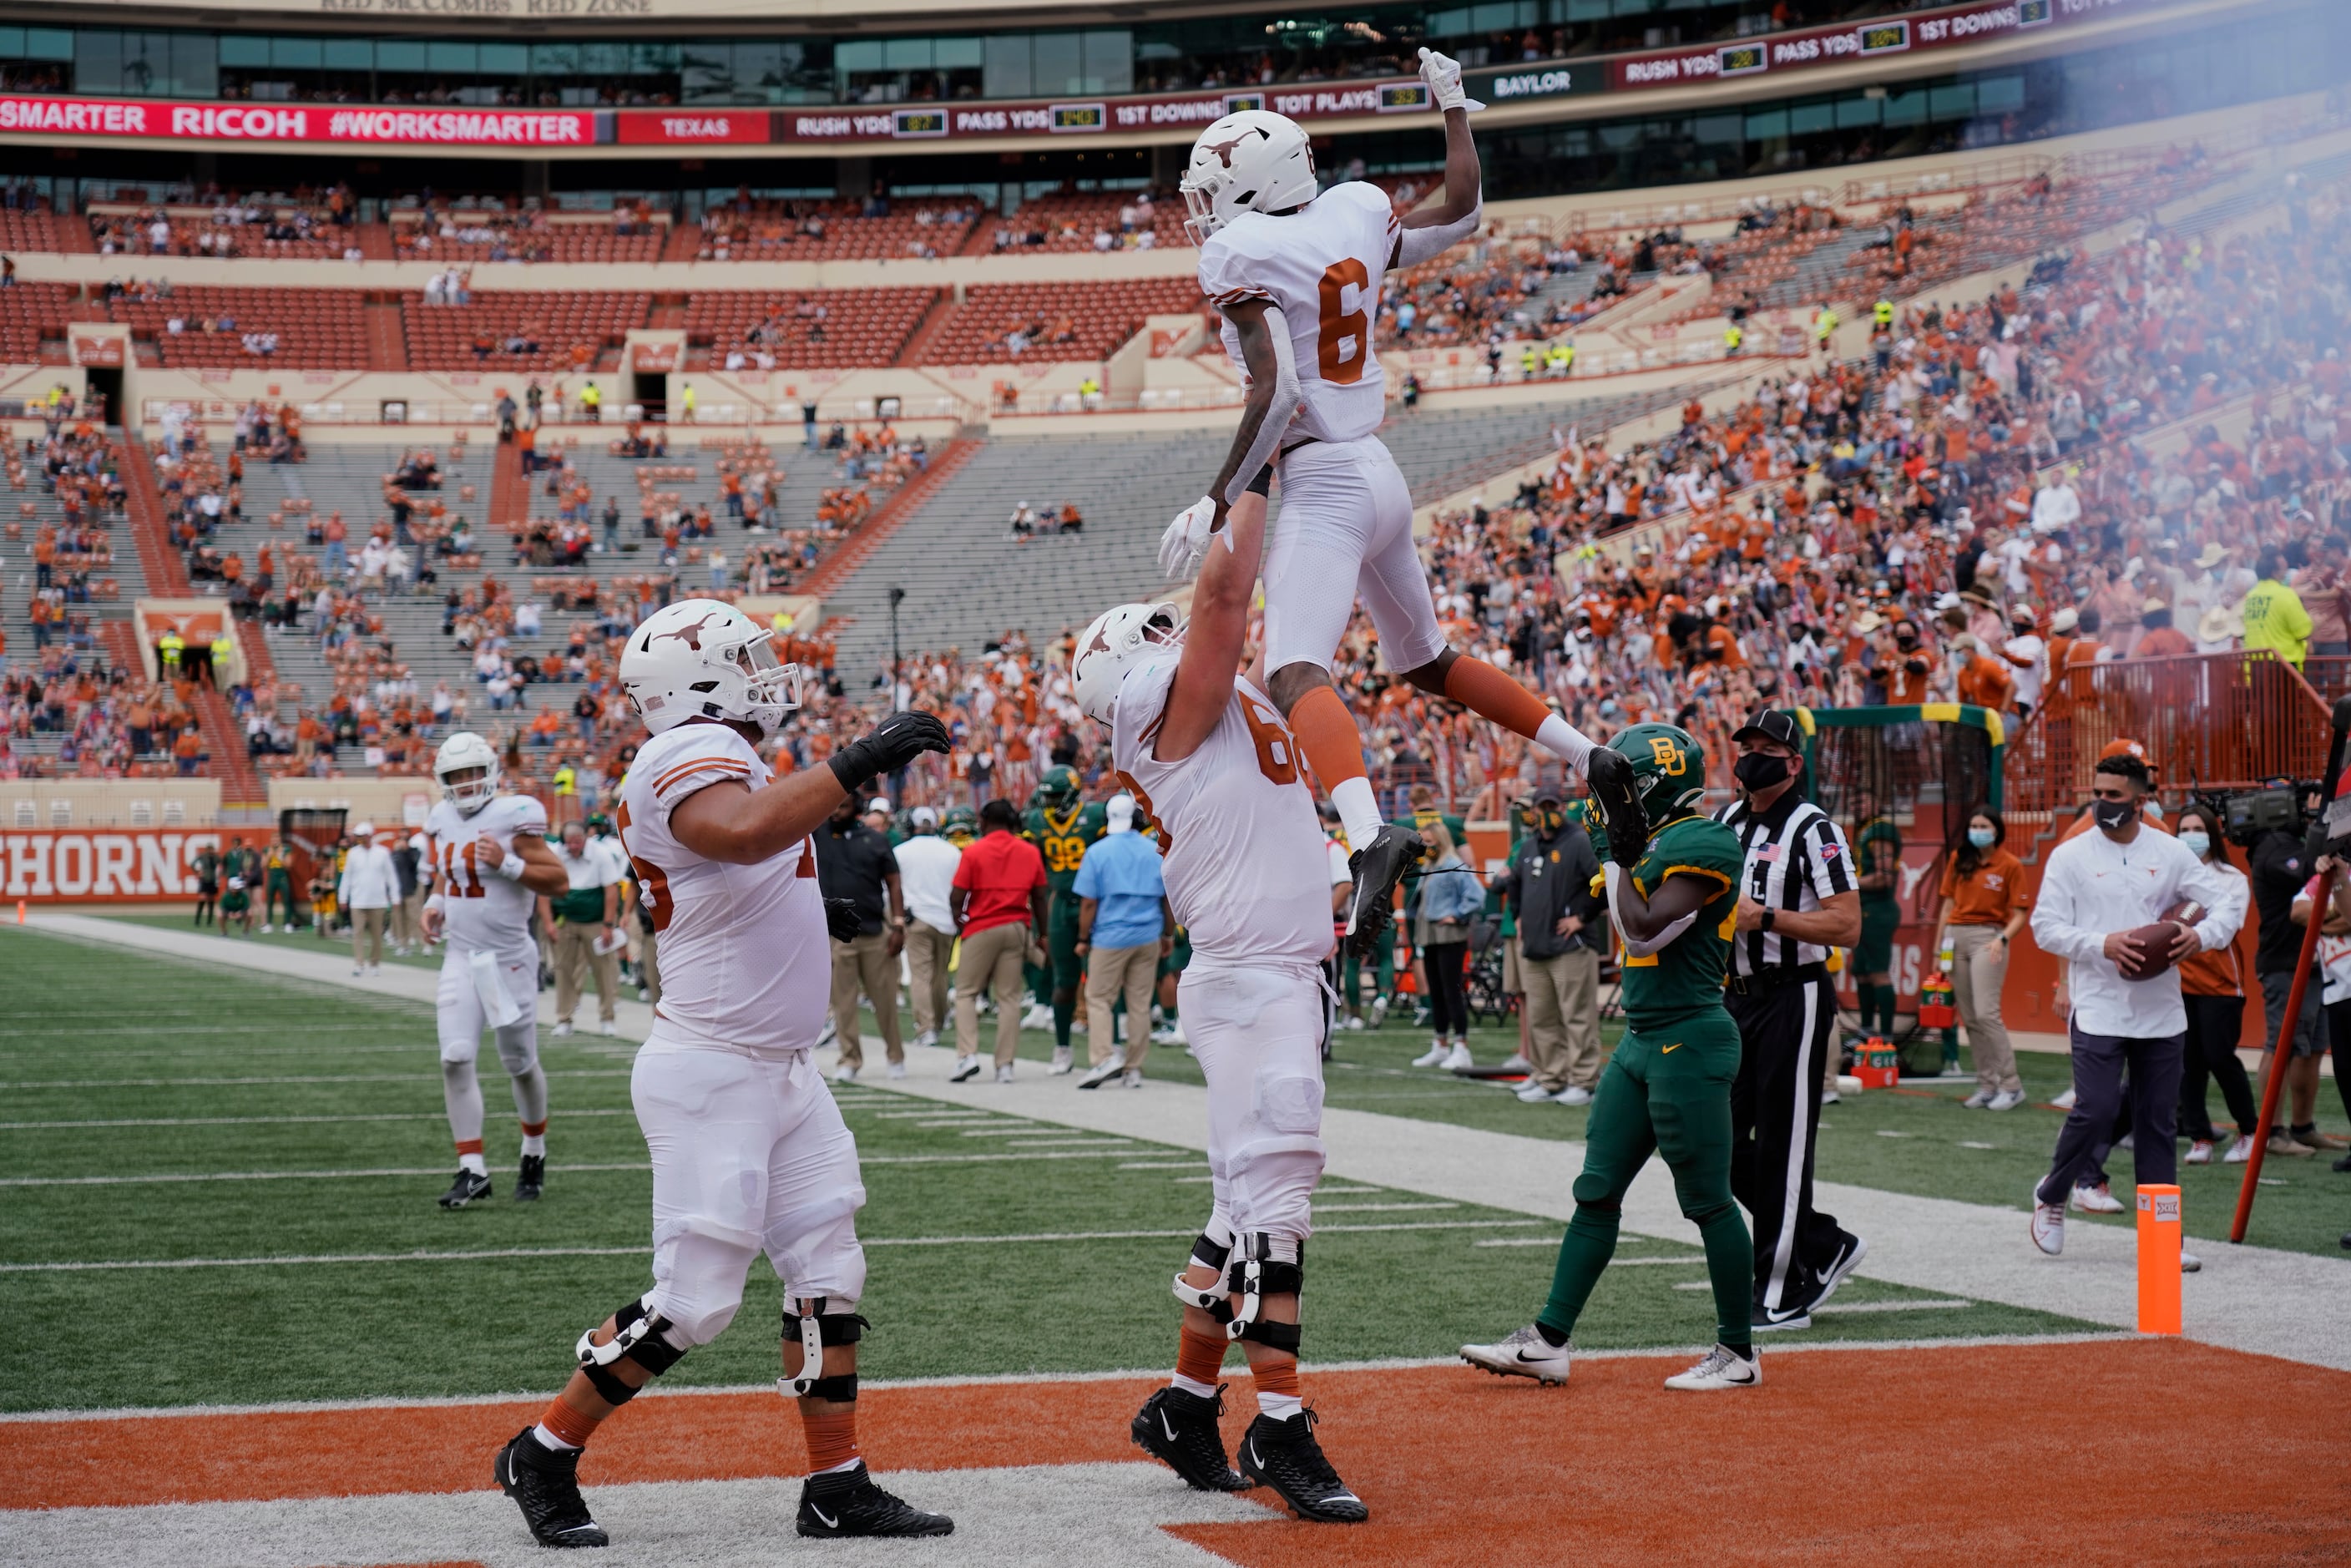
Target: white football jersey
point(485, 912)
point(744, 960)
point(1246, 871)
point(1323, 266)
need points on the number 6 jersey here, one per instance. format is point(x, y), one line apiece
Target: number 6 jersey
point(1323, 266)
point(485, 911)
point(1247, 872)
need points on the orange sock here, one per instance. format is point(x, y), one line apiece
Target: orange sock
point(529, 1130)
point(1488, 692)
point(832, 1436)
point(1277, 1377)
point(1326, 733)
point(1200, 1356)
point(572, 1425)
point(468, 1146)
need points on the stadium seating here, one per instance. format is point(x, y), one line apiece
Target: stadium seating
point(834, 231)
point(21, 230)
point(499, 236)
point(1069, 221)
point(1055, 322)
point(316, 328)
point(857, 327)
point(29, 312)
point(569, 329)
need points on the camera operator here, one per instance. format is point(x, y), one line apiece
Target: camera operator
point(2281, 865)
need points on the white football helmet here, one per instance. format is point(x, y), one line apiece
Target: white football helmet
point(703, 658)
point(1122, 639)
point(1252, 161)
point(461, 752)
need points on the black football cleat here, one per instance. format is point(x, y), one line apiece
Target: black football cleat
point(1377, 867)
point(1180, 1430)
point(545, 1484)
point(1616, 792)
point(1284, 1456)
point(531, 1179)
point(465, 1189)
point(847, 1503)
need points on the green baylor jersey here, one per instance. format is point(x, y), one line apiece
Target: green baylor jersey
point(1685, 976)
point(1061, 836)
point(1878, 847)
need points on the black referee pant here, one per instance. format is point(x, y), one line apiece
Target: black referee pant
point(1775, 1107)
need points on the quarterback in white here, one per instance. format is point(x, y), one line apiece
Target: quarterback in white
point(749, 1152)
point(1211, 761)
point(1297, 278)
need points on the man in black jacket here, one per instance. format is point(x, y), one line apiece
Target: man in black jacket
point(1562, 929)
point(854, 863)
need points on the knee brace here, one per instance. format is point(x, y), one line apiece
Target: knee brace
point(1212, 1250)
point(641, 1337)
point(1269, 1266)
point(815, 1328)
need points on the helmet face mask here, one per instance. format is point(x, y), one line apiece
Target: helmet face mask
point(1059, 788)
point(466, 768)
point(1250, 161)
point(1121, 640)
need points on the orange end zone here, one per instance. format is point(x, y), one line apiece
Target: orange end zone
point(2116, 1452)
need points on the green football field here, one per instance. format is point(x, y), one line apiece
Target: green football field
point(221, 1190)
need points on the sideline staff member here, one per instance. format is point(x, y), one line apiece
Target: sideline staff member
point(1798, 900)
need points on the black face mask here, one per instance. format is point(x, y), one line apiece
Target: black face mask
point(2114, 815)
point(1759, 770)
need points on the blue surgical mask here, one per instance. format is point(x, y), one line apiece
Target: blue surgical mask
point(1982, 838)
point(2197, 842)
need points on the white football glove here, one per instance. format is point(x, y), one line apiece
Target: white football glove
point(1184, 545)
point(1443, 75)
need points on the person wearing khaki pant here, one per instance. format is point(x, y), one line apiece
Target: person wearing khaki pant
point(999, 900)
point(1113, 972)
point(577, 922)
point(1563, 1018)
point(1984, 906)
point(867, 964)
point(930, 952)
point(370, 887)
point(992, 961)
point(1561, 923)
point(1123, 930)
point(926, 869)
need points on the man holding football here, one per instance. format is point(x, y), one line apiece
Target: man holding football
point(2122, 905)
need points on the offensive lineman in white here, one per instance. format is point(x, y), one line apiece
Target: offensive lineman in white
point(1248, 875)
point(1297, 278)
point(749, 1152)
point(486, 863)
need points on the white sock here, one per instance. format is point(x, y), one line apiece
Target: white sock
point(1279, 1406)
point(836, 1469)
point(1359, 811)
point(1564, 741)
point(549, 1440)
point(474, 1162)
point(1193, 1386)
point(534, 1144)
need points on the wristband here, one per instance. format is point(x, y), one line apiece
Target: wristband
point(1771, 917)
point(436, 904)
point(512, 867)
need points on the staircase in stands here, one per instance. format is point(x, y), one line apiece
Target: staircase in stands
point(910, 353)
point(387, 335)
point(846, 557)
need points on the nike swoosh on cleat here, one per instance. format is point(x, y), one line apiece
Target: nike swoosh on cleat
point(828, 1523)
point(1166, 1426)
point(1255, 1457)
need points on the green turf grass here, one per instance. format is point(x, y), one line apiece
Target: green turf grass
point(92, 1034)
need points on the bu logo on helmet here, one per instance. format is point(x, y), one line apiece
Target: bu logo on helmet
point(690, 635)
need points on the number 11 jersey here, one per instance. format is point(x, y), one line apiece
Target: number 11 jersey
point(485, 911)
point(1323, 266)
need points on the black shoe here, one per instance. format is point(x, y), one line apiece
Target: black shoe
point(545, 1484)
point(1615, 791)
point(1850, 1251)
point(1284, 1456)
point(847, 1503)
point(1794, 1315)
point(465, 1189)
point(2343, 1163)
point(1377, 867)
point(1180, 1430)
point(531, 1179)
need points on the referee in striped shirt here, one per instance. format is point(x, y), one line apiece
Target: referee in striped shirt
point(1800, 900)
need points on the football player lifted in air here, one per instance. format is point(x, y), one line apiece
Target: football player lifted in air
point(487, 864)
point(1673, 893)
point(749, 1153)
point(1297, 278)
point(1209, 760)
point(1061, 823)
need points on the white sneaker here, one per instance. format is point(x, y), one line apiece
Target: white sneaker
point(1038, 1015)
point(2006, 1100)
point(926, 1040)
point(1531, 1092)
point(608, 1027)
point(2048, 1224)
point(563, 1027)
point(266, 930)
point(2096, 1200)
point(2190, 1264)
point(1829, 1096)
point(1525, 1354)
point(1722, 1368)
point(358, 971)
point(1004, 1073)
point(1171, 1035)
point(829, 1036)
point(1457, 1061)
point(1131, 1079)
point(1096, 1077)
point(644, 993)
point(1516, 1062)
point(844, 1075)
point(2239, 1151)
point(1977, 1101)
point(1354, 1021)
point(1573, 1094)
point(2199, 1153)
point(897, 1070)
point(2130, 1141)
point(2064, 1102)
point(1435, 1055)
point(965, 1070)
point(1064, 1061)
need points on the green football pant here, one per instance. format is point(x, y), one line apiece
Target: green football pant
point(1666, 1091)
point(1065, 971)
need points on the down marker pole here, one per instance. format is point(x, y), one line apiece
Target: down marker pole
point(2158, 1259)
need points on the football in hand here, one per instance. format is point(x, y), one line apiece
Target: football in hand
point(2155, 942)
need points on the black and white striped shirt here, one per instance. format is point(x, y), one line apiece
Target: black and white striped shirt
point(1797, 859)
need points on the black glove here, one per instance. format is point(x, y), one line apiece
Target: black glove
point(1615, 794)
point(840, 919)
point(887, 747)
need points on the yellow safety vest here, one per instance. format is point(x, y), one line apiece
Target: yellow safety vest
point(221, 649)
point(1885, 313)
point(171, 643)
point(564, 780)
point(591, 396)
point(1731, 338)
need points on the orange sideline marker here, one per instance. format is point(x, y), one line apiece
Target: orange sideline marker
point(2158, 1259)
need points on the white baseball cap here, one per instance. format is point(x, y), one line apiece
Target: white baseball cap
point(925, 818)
point(364, 831)
point(878, 803)
point(1121, 811)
